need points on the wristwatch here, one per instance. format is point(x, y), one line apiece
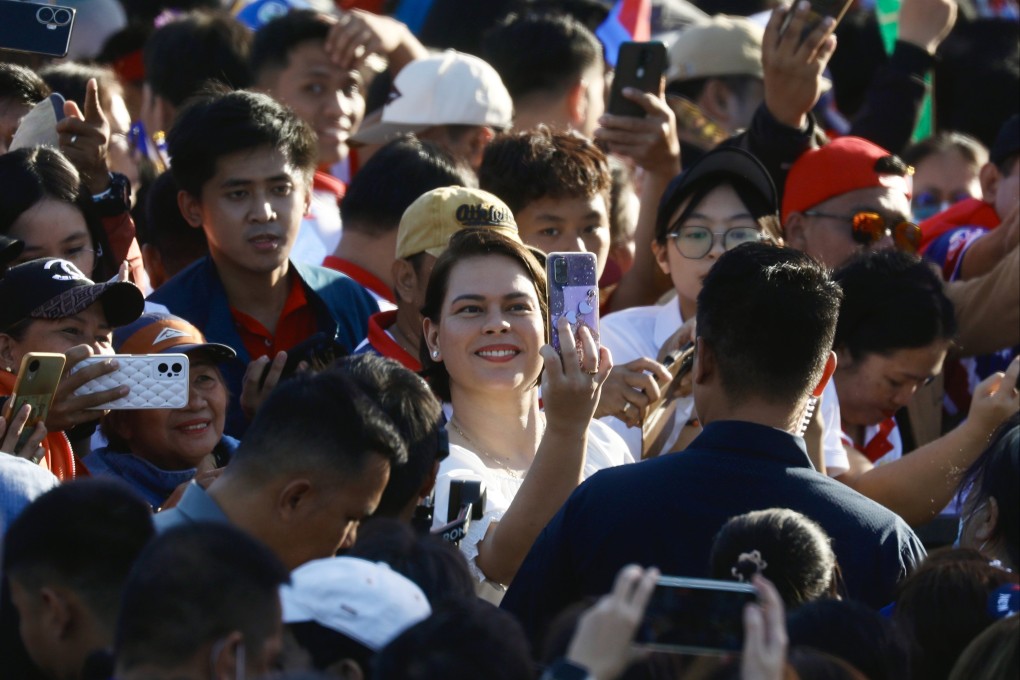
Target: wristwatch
point(116, 200)
point(561, 669)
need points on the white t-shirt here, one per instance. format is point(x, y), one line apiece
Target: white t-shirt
point(641, 332)
point(320, 230)
point(836, 460)
point(605, 449)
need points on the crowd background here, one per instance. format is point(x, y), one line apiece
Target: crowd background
point(341, 213)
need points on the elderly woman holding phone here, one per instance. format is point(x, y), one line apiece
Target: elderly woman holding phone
point(485, 352)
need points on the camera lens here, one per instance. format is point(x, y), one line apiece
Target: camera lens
point(162, 368)
point(34, 366)
point(560, 270)
point(44, 15)
point(62, 17)
point(176, 368)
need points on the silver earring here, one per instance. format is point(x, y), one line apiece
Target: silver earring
point(435, 354)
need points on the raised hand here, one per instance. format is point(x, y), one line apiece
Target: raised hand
point(85, 139)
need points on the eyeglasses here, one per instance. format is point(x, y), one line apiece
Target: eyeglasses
point(84, 259)
point(870, 228)
point(695, 242)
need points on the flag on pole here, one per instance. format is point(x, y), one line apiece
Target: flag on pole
point(628, 21)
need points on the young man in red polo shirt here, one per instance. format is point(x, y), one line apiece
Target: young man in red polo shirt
point(244, 165)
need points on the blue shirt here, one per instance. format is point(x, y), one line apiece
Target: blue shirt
point(195, 506)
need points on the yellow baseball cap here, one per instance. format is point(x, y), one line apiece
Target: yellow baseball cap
point(435, 216)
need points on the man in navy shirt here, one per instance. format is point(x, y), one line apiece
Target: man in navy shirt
point(766, 318)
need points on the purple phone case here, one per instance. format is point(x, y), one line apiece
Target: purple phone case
point(577, 298)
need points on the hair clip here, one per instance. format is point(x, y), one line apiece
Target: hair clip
point(748, 564)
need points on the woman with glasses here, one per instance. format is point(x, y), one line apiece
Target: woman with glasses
point(725, 199)
point(895, 329)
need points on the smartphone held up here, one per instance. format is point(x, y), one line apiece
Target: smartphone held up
point(39, 28)
point(640, 66)
point(574, 295)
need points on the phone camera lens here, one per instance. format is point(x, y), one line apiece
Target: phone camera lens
point(44, 15)
point(62, 17)
point(34, 366)
point(162, 368)
point(560, 270)
point(176, 368)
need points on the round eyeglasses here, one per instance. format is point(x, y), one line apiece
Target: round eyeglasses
point(695, 242)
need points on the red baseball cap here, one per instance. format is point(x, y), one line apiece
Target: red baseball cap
point(841, 166)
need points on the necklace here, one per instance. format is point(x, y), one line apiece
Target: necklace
point(516, 474)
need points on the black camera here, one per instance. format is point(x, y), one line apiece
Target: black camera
point(467, 503)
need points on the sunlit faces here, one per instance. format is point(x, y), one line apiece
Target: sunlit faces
point(830, 240)
point(88, 327)
point(567, 225)
point(491, 327)
point(53, 228)
point(720, 211)
point(178, 439)
point(323, 95)
point(875, 386)
point(942, 179)
point(250, 209)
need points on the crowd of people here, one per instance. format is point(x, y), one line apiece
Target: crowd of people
point(805, 380)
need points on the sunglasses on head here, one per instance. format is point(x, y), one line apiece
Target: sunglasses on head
point(869, 228)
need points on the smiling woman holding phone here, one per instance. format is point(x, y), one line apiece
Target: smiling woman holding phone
point(485, 352)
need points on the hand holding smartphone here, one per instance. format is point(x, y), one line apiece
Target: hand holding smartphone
point(36, 384)
point(155, 380)
point(573, 294)
point(640, 65)
point(820, 10)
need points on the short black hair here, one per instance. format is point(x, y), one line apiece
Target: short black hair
point(891, 300)
point(392, 179)
point(853, 632)
point(164, 228)
point(182, 56)
point(434, 565)
point(191, 586)
point(274, 41)
point(322, 424)
point(462, 640)
point(21, 85)
point(769, 315)
point(795, 553)
point(545, 53)
point(523, 167)
point(85, 535)
point(417, 415)
point(217, 125)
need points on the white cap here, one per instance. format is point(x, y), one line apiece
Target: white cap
point(365, 601)
point(450, 88)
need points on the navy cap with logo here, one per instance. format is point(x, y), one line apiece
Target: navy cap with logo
point(51, 288)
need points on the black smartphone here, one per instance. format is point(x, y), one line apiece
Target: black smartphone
point(574, 294)
point(819, 10)
point(640, 65)
point(319, 351)
point(696, 616)
point(42, 29)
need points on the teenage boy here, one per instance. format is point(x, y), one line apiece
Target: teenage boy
point(244, 167)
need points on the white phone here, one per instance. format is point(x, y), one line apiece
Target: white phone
point(156, 380)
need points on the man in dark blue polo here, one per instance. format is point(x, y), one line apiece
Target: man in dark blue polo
point(766, 318)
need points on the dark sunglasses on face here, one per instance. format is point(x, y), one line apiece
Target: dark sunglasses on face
point(695, 242)
point(869, 228)
point(929, 203)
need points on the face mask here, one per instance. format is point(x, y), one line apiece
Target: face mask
point(964, 520)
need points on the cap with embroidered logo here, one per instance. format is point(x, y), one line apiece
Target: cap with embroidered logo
point(154, 333)
point(442, 89)
point(435, 216)
point(51, 288)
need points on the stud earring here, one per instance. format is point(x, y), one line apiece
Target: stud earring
point(435, 354)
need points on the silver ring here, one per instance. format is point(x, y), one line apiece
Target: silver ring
point(74, 138)
point(626, 408)
point(37, 458)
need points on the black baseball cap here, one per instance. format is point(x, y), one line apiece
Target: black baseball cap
point(722, 164)
point(10, 248)
point(51, 288)
point(1007, 142)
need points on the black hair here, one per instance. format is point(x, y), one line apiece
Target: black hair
point(996, 474)
point(218, 125)
point(992, 654)
point(972, 150)
point(459, 25)
point(183, 55)
point(541, 53)
point(853, 632)
point(782, 545)
point(179, 244)
point(945, 604)
point(462, 640)
point(760, 208)
point(274, 41)
point(21, 85)
point(326, 646)
point(84, 535)
point(891, 300)
point(147, 10)
point(523, 167)
point(417, 415)
point(71, 79)
point(392, 179)
point(322, 424)
point(193, 585)
point(32, 174)
point(812, 663)
point(434, 565)
point(769, 315)
point(464, 244)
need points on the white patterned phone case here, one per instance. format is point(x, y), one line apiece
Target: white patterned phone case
point(156, 380)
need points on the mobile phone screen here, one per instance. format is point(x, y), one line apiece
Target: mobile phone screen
point(696, 616)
